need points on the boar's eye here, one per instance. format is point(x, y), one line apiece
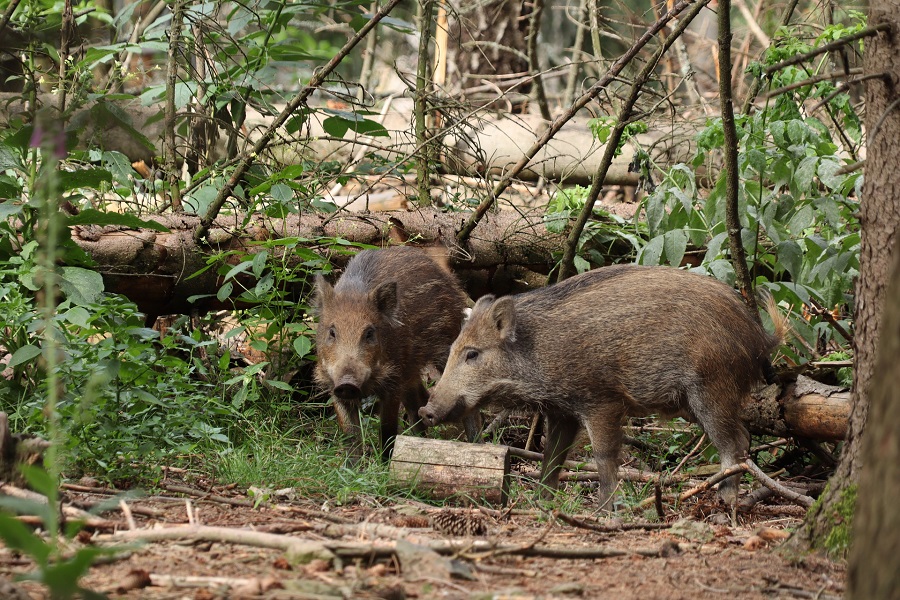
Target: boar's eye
point(332, 333)
point(369, 335)
point(471, 354)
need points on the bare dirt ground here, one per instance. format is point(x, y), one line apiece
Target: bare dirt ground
point(697, 552)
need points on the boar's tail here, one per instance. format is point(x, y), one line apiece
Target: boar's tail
point(779, 320)
point(782, 331)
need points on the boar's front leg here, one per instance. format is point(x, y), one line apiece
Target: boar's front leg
point(561, 431)
point(415, 398)
point(348, 418)
point(389, 413)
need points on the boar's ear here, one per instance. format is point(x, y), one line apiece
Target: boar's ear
point(503, 315)
point(324, 293)
point(385, 298)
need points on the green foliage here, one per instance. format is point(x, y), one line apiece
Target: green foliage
point(57, 570)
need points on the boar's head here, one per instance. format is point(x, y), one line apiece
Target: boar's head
point(481, 366)
point(354, 335)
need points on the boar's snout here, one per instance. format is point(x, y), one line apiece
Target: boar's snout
point(348, 388)
point(429, 415)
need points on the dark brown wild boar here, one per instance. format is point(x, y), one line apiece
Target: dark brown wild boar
point(617, 341)
point(392, 312)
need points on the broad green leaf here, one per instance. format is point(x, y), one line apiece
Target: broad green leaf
point(225, 291)
point(9, 158)
point(302, 346)
point(17, 536)
point(23, 355)
point(83, 178)
point(675, 244)
point(652, 252)
point(802, 219)
point(81, 286)
point(790, 256)
point(581, 265)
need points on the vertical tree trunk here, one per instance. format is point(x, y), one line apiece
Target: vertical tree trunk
point(827, 525)
point(874, 570)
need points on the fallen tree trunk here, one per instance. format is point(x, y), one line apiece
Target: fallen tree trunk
point(484, 144)
point(157, 270)
point(805, 408)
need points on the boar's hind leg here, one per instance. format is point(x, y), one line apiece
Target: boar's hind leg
point(721, 421)
point(561, 432)
point(348, 419)
point(604, 427)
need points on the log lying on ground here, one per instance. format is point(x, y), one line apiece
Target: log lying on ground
point(485, 143)
point(805, 408)
point(155, 269)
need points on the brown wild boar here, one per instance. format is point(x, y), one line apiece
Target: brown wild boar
point(393, 312)
point(614, 342)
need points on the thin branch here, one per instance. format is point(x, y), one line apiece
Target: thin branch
point(423, 81)
point(835, 45)
point(810, 81)
point(732, 218)
point(7, 15)
point(565, 117)
point(300, 99)
point(567, 264)
point(574, 66)
point(534, 28)
point(757, 83)
point(171, 81)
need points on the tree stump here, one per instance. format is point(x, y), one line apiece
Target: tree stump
point(447, 469)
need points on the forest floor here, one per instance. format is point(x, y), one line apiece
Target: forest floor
point(386, 550)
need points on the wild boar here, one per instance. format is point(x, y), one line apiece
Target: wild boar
point(392, 312)
point(614, 342)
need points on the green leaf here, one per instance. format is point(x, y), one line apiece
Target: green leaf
point(342, 121)
point(652, 252)
point(790, 256)
point(225, 291)
point(581, 265)
point(83, 178)
point(23, 355)
point(184, 91)
point(302, 346)
point(91, 216)
point(81, 286)
point(802, 219)
point(17, 536)
point(9, 158)
point(675, 244)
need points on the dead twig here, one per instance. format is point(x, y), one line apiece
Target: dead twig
point(200, 494)
point(607, 528)
point(796, 497)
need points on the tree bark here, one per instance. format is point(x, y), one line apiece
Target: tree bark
point(509, 253)
point(827, 524)
point(874, 569)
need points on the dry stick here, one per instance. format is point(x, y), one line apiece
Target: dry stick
point(732, 217)
point(754, 87)
point(420, 109)
point(179, 489)
point(843, 87)
point(811, 81)
point(125, 54)
point(567, 264)
point(580, 523)
point(328, 549)
point(565, 117)
point(250, 156)
point(835, 45)
point(368, 56)
point(534, 67)
point(574, 66)
point(171, 80)
point(776, 487)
